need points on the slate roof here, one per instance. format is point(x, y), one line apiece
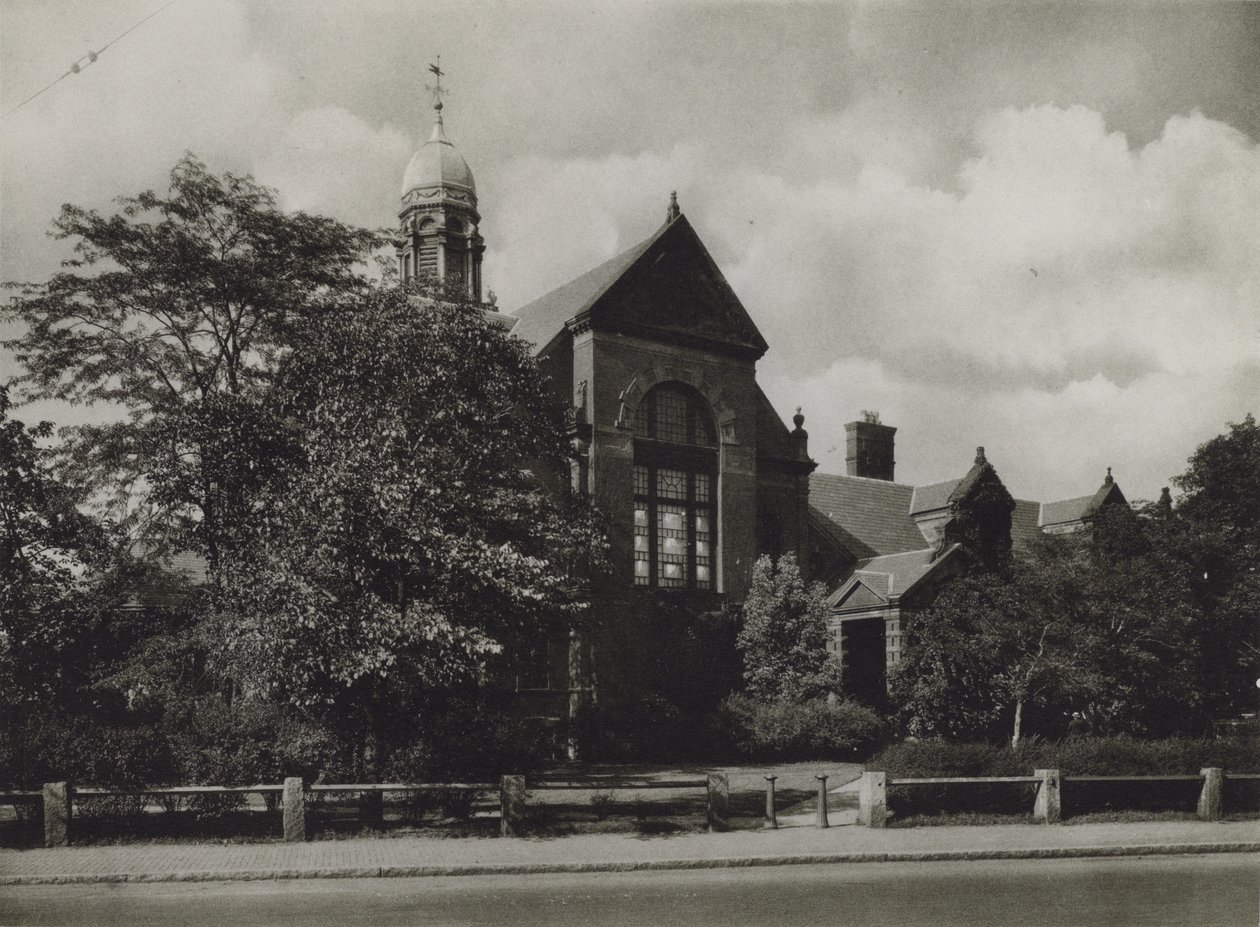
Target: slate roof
point(540, 321)
point(1065, 510)
point(876, 512)
point(932, 496)
point(890, 575)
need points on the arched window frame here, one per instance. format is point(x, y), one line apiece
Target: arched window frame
point(675, 490)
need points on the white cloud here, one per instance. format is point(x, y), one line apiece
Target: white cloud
point(329, 161)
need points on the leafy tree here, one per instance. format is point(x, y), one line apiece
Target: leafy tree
point(1213, 538)
point(783, 635)
point(423, 526)
point(174, 313)
point(1091, 621)
point(56, 567)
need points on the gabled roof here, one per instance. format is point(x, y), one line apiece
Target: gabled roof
point(667, 287)
point(932, 496)
point(888, 576)
point(540, 321)
point(1081, 508)
point(876, 512)
point(868, 591)
point(1064, 510)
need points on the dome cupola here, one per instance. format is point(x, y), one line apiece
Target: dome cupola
point(439, 227)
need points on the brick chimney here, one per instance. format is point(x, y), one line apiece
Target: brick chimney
point(869, 448)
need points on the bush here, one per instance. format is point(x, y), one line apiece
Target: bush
point(1094, 756)
point(1100, 756)
point(786, 730)
point(49, 746)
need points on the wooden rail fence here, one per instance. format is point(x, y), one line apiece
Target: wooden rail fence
point(1048, 800)
point(57, 798)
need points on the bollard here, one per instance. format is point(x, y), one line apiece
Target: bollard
point(772, 820)
point(821, 820)
point(57, 810)
point(512, 806)
point(719, 799)
point(1210, 798)
point(1048, 807)
point(873, 799)
point(294, 810)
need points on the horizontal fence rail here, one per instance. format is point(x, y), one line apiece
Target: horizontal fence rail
point(1048, 800)
point(618, 785)
point(58, 798)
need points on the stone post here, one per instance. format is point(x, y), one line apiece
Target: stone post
point(512, 806)
point(294, 810)
point(1048, 807)
point(873, 799)
point(772, 819)
point(821, 819)
point(1210, 798)
point(719, 799)
point(57, 810)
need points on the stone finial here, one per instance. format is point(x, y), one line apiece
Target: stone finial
point(1108, 480)
point(980, 460)
point(673, 212)
point(1165, 500)
point(492, 299)
point(798, 419)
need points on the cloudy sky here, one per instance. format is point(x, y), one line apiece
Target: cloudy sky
point(1035, 228)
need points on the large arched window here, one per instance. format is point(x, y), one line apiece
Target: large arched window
point(675, 490)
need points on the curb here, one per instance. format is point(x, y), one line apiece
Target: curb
point(733, 862)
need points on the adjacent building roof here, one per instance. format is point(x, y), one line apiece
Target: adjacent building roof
point(887, 576)
point(932, 496)
point(876, 512)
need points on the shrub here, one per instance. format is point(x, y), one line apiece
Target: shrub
point(800, 730)
point(1101, 756)
point(1094, 756)
point(48, 746)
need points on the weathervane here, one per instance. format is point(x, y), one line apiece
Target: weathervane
point(436, 87)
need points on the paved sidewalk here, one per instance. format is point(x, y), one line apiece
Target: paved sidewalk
point(612, 852)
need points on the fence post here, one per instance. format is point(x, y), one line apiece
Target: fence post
point(294, 810)
point(772, 819)
point(873, 799)
point(1048, 807)
point(1210, 798)
point(512, 806)
point(57, 810)
point(719, 799)
point(820, 819)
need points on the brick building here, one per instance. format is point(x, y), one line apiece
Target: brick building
point(696, 473)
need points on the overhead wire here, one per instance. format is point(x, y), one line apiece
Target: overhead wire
point(90, 58)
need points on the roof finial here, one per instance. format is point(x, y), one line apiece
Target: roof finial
point(436, 88)
point(980, 456)
point(1108, 481)
point(798, 419)
point(674, 212)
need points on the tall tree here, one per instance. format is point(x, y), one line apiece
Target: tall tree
point(783, 634)
point(424, 525)
point(174, 312)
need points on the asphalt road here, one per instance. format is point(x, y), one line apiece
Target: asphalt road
point(1175, 891)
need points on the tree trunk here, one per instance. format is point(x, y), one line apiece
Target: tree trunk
point(1019, 717)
